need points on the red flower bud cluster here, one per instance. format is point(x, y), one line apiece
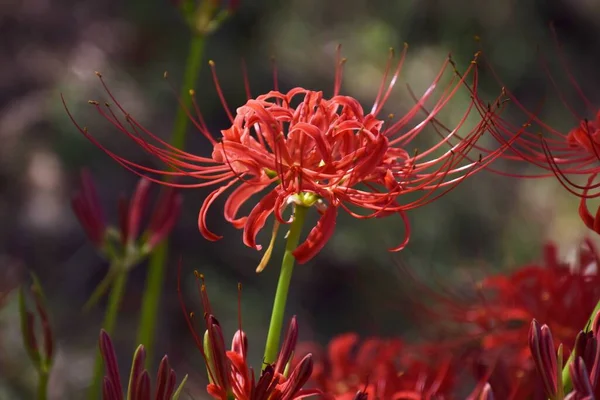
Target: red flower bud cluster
point(139, 387)
point(87, 208)
point(229, 373)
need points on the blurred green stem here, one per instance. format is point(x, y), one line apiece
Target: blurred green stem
point(42, 390)
point(110, 318)
point(283, 286)
point(156, 266)
point(566, 375)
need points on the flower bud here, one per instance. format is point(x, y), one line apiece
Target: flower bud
point(163, 218)
point(87, 209)
point(41, 358)
point(542, 351)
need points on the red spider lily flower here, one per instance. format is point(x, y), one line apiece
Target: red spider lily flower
point(229, 374)
point(139, 387)
point(560, 294)
point(88, 210)
point(300, 147)
point(564, 154)
point(377, 369)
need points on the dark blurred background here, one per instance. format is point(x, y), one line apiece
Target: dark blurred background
point(51, 47)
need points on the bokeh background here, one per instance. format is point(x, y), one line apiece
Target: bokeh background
point(49, 47)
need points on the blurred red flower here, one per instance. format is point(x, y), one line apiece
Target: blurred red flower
point(495, 328)
point(378, 369)
point(563, 153)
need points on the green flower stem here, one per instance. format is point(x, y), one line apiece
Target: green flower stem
point(192, 69)
point(110, 319)
point(566, 376)
point(283, 285)
point(42, 390)
point(157, 263)
point(151, 297)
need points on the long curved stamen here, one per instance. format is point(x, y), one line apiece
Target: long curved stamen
point(339, 70)
point(213, 71)
point(379, 103)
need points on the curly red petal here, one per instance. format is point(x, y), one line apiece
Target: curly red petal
point(318, 236)
point(258, 217)
point(237, 199)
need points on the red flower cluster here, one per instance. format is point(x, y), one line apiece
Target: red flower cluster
point(87, 208)
point(303, 148)
point(562, 295)
point(378, 369)
point(230, 375)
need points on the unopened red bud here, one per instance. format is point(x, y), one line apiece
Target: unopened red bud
point(299, 376)
point(136, 209)
point(162, 378)
point(263, 386)
point(542, 351)
point(137, 367)
point(109, 391)
point(142, 390)
point(581, 382)
point(214, 348)
point(289, 344)
point(110, 359)
point(139, 387)
point(164, 216)
point(87, 209)
point(124, 207)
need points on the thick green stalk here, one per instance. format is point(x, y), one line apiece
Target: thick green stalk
point(42, 389)
point(157, 263)
point(110, 319)
point(283, 285)
point(566, 375)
